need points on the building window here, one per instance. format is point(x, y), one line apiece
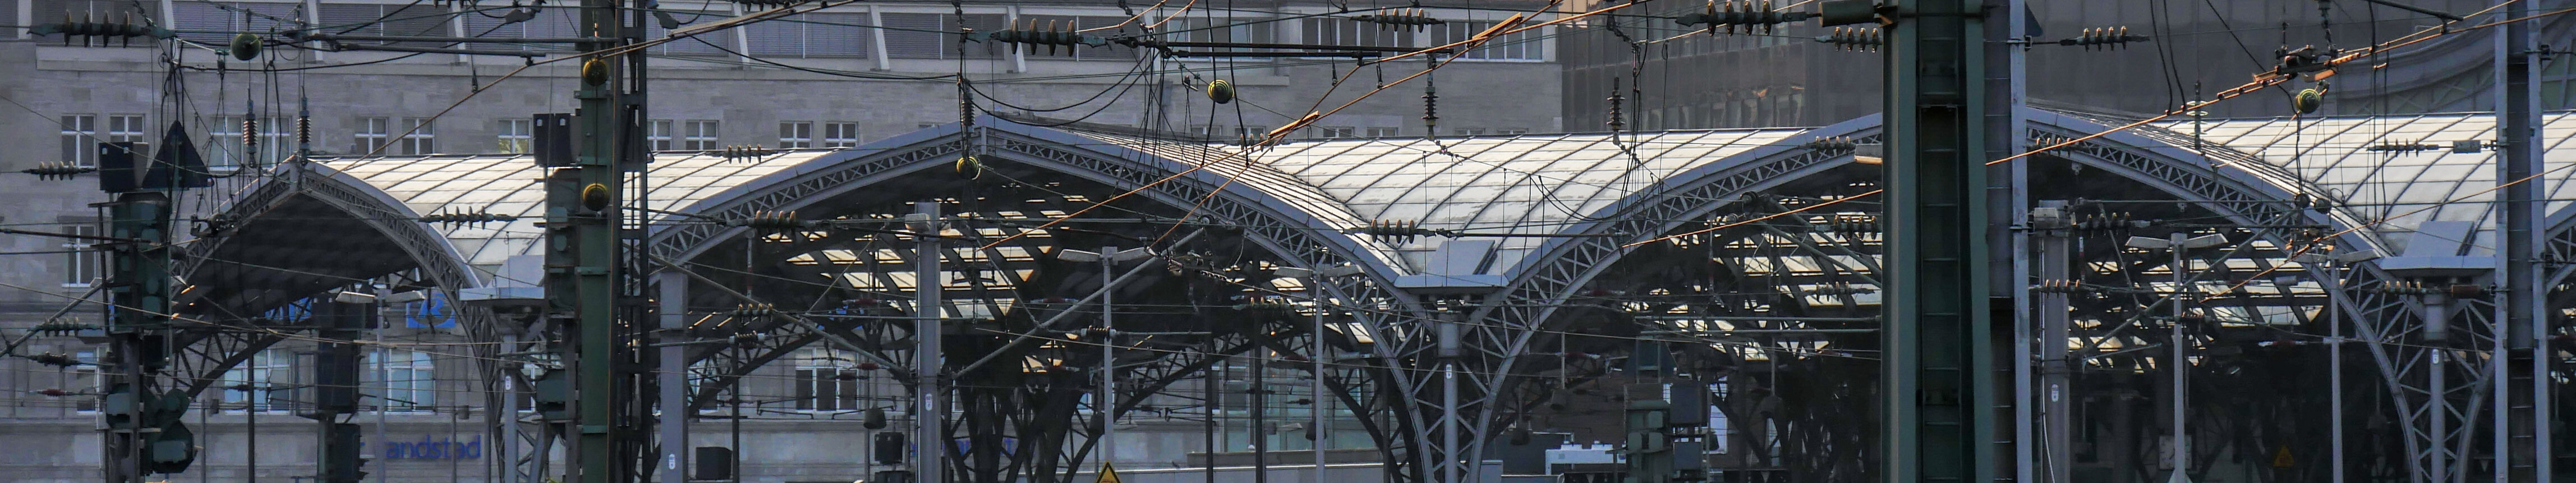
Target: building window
point(1342, 31)
point(80, 133)
point(125, 129)
point(372, 135)
point(840, 134)
point(1512, 132)
point(826, 381)
point(660, 134)
point(1382, 132)
point(1527, 45)
point(226, 149)
point(418, 138)
point(409, 379)
point(253, 385)
point(1334, 132)
point(80, 264)
point(795, 134)
point(514, 134)
point(701, 136)
point(1471, 131)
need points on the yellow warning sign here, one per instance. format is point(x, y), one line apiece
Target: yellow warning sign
point(2281, 457)
point(1108, 474)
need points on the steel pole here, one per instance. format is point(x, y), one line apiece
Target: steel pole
point(2334, 370)
point(2181, 458)
point(1108, 357)
point(930, 398)
point(1315, 398)
point(2522, 388)
point(673, 302)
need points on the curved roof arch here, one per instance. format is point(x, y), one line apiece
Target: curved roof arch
point(1218, 179)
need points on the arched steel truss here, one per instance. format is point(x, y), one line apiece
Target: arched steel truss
point(1502, 326)
point(1268, 215)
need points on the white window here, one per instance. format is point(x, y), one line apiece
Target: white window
point(125, 129)
point(253, 385)
point(826, 380)
point(80, 265)
point(1334, 132)
point(514, 135)
point(419, 139)
point(701, 136)
point(1382, 132)
point(80, 140)
point(372, 134)
point(795, 134)
point(1527, 45)
point(840, 134)
point(408, 379)
point(660, 134)
point(1324, 32)
point(819, 34)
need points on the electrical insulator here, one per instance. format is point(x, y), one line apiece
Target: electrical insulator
point(2061, 286)
point(1052, 36)
point(250, 132)
point(56, 170)
point(1853, 224)
point(304, 130)
point(2104, 223)
point(1830, 143)
point(747, 340)
point(1220, 91)
point(2404, 147)
point(53, 359)
point(61, 328)
point(2468, 291)
point(1838, 289)
point(766, 220)
point(457, 218)
point(1394, 230)
point(742, 152)
point(2103, 38)
point(1862, 39)
point(754, 311)
point(2043, 141)
point(102, 30)
point(1402, 18)
point(1747, 15)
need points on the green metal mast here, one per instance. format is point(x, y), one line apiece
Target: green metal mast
point(1938, 388)
point(583, 253)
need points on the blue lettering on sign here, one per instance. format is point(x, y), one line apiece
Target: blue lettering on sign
point(429, 449)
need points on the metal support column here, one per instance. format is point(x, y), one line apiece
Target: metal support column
point(930, 396)
point(674, 311)
point(2051, 317)
point(138, 325)
point(2010, 271)
point(583, 259)
point(2522, 432)
point(1939, 389)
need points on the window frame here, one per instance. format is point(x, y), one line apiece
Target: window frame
point(80, 139)
point(795, 134)
point(514, 135)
